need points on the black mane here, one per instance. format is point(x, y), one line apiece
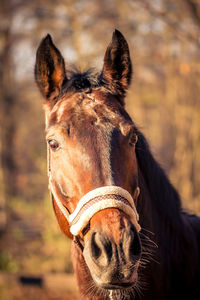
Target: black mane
point(165, 196)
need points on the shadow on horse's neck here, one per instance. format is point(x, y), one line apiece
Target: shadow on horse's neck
point(160, 205)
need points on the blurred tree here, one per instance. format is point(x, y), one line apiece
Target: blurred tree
point(7, 104)
point(195, 9)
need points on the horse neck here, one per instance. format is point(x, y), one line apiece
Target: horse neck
point(161, 213)
point(160, 205)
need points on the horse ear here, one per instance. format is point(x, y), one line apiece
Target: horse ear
point(49, 69)
point(117, 68)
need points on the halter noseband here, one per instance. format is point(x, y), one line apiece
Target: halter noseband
point(94, 201)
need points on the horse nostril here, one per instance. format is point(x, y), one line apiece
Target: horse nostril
point(135, 246)
point(131, 244)
point(101, 249)
point(95, 249)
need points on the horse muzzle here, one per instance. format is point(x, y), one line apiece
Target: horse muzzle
point(111, 252)
point(113, 265)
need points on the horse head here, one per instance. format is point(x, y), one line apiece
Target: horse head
point(93, 172)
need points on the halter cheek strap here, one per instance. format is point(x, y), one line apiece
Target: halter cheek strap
point(56, 195)
point(94, 201)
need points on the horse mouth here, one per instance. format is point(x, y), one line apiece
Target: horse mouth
point(118, 286)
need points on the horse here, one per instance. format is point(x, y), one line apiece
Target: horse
point(131, 238)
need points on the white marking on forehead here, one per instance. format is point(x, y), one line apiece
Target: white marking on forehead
point(46, 120)
point(47, 114)
point(60, 110)
point(105, 157)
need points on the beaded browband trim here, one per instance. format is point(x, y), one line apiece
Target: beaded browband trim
point(97, 200)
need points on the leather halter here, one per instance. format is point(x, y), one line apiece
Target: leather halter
point(94, 201)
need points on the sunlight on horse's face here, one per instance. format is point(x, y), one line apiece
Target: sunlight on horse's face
point(92, 143)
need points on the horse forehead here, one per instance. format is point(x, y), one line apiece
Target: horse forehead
point(81, 105)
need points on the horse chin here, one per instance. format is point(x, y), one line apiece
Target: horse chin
point(116, 290)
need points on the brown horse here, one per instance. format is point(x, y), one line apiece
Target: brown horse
point(98, 163)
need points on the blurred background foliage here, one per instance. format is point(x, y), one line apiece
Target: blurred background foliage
point(164, 40)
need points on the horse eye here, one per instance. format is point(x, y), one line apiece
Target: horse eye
point(133, 139)
point(53, 144)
